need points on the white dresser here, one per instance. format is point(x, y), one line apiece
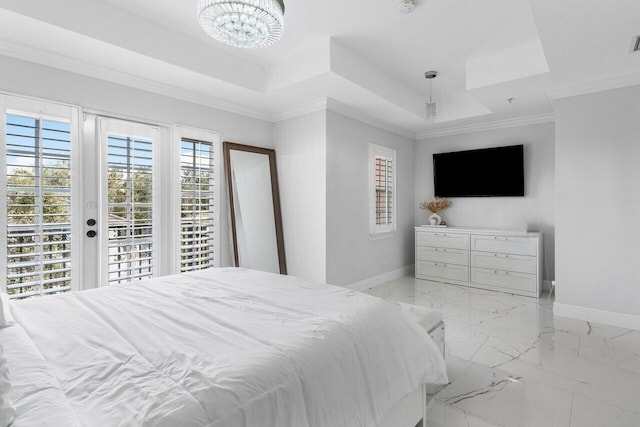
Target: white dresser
point(507, 261)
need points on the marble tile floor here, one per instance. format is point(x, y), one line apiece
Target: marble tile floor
point(512, 363)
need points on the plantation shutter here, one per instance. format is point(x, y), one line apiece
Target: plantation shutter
point(384, 190)
point(130, 208)
point(38, 194)
point(382, 205)
point(197, 206)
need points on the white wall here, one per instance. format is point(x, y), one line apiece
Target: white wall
point(26, 78)
point(598, 203)
point(352, 254)
point(301, 156)
point(533, 212)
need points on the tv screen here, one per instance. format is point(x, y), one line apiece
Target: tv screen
point(489, 172)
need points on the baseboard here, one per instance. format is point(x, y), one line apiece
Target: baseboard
point(372, 282)
point(611, 318)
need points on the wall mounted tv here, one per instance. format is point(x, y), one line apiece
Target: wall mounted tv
point(489, 172)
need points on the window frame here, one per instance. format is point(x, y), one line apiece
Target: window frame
point(181, 132)
point(381, 230)
point(44, 110)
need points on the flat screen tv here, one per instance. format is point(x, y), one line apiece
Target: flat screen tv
point(489, 172)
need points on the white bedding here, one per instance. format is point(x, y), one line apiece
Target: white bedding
point(221, 347)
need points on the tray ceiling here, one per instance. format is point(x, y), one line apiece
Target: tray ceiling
point(362, 55)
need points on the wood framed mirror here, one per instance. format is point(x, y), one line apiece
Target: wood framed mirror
point(254, 204)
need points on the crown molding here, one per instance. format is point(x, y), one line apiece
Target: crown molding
point(62, 62)
point(495, 125)
point(313, 107)
point(594, 86)
point(340, 108)
point(76, 66)
point(331, 104)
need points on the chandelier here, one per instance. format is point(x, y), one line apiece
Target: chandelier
point(242, 23)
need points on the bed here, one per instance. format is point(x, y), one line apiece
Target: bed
point(222, 348)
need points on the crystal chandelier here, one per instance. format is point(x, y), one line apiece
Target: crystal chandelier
point(431, 108)
point(242, 23)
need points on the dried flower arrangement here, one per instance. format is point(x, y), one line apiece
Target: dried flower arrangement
point(436, 205)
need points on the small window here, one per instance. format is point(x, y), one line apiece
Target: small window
point(382, 189)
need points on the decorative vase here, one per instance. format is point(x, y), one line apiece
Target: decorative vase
point(435, 219)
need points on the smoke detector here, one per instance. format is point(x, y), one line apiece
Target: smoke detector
point(406, 6)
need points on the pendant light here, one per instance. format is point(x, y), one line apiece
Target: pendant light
point(431, 110)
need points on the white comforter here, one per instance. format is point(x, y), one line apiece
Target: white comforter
point(221, 347)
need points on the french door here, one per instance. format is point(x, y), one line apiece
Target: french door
point(128, 221)
point(77, 215)
point(101, 201)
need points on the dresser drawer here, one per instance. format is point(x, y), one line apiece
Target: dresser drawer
point(505, 244)
point(505, 262)
point(509, 281)
point(442, 240)
point(438, 270)
point(444, 255)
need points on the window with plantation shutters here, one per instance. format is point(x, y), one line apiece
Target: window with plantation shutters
point(197, 205)
point(38, 205)
point(130, 208)
point(382, 189)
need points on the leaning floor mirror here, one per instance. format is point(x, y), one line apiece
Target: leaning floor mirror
point(254, 202)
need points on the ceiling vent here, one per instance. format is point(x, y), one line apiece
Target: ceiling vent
point(635, 46)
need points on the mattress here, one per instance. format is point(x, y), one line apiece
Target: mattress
point(219, 347)
point(430, 320)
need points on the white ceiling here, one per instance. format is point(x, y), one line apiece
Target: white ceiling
point(362, 55)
